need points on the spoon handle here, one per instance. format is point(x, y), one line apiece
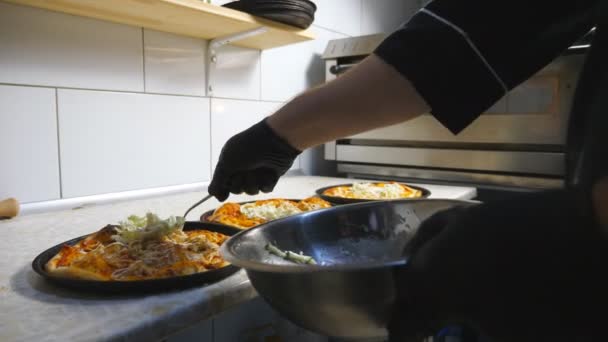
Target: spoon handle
point(196, 205)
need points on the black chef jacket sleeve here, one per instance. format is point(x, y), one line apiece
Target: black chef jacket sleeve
point(462, 56)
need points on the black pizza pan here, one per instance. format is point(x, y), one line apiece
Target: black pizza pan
point(137, 286)
point(341, 200)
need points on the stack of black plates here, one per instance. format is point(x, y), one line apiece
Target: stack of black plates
point(299, 13)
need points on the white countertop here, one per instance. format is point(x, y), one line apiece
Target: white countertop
point(32, 310)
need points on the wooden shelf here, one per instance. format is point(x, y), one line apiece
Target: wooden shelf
point(193, 18)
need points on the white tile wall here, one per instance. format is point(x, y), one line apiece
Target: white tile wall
point(379, 16)
point(174, 64)
point(236, 74)
point(341, 16)
point(229, 117)
point(46, 48)
point(28, 144)
point(290, 70)
point(114, 142)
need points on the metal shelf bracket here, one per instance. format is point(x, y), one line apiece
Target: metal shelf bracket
point(212, 52)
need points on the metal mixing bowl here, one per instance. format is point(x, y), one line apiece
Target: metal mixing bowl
point(350, 292)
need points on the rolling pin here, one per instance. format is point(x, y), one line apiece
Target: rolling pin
point(9, 208)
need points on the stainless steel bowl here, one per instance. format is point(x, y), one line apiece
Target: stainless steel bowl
point(350, 292)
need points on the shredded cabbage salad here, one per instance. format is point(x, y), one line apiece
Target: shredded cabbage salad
point(137, 228)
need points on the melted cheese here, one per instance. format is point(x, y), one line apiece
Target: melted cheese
point(313, 203)
point(374, 191)
point(370, 190)
point(252, 214)
point(270, 211)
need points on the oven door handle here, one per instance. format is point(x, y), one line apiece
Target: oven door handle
point(340, 69)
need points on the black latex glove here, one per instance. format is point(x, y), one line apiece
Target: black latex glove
point(532, 268)
point(251, 161)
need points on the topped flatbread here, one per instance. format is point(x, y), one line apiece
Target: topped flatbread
point(252, 214)
point(140, 248)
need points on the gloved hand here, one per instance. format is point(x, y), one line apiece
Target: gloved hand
point(251, 161)
point(531, 268)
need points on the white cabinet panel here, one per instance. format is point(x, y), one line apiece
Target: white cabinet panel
point(41, 47)
point(113, 142)
point(174, 64)
point(229, 117)
point(288, 71)
point(236, 74)
point(28, 144)
point(342, 16)
point(385, 16)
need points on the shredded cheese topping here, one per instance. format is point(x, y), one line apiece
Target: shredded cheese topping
point(370, 190)
point(249, 215)
point(374, 191)
point(270, 211)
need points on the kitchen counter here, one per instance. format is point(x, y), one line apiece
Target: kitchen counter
point(33, 310)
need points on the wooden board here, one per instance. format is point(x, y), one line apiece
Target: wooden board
point(193, 18)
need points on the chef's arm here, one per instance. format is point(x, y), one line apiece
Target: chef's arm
point(454, 59)
point(371, 95)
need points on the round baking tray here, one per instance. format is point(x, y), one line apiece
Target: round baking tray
point(137, 286)
point(341, 200)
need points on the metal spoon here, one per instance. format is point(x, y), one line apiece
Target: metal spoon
point(197, 204)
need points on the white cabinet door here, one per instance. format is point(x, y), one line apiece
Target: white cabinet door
point(112, 142)
point(28, 144)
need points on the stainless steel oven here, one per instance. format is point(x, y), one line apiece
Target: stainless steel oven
point(518, 143)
